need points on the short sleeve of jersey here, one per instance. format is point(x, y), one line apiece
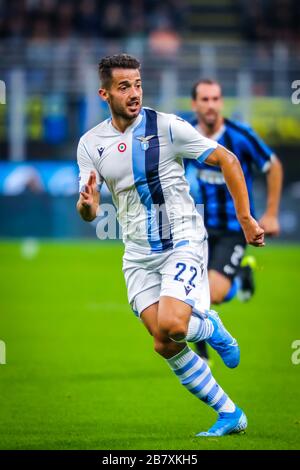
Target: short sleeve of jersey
point(260, 153)
point(188, 142)
point(86, 165)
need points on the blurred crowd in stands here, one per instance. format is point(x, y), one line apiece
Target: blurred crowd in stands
point(116, 19)
point(271, 20)
point(109, 19)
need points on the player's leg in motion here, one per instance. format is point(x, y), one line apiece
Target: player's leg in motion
point(217, 294)
point(220, 286)
point(226, 252)
point(245, 278)
point(168, 322)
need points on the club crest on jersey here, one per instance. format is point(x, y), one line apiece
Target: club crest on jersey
point(122, 147)
point(145, 141)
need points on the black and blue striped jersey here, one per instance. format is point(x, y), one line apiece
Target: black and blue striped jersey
point(207, 182)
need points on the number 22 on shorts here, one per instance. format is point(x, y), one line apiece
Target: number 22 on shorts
point(183, 270)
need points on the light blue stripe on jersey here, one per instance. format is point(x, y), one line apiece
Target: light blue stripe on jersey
point(141, 184)
point(205, 155)
point(182, 243)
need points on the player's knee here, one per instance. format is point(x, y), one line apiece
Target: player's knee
point(219, 287)
point(173, 328)
point(218, 294)
point(217, 297)
point(160, 347)
point(165, 349)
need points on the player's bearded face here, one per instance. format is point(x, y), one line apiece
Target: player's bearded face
point(208, 104)
point(125, 94)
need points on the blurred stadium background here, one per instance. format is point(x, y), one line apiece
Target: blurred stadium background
point(49, 53)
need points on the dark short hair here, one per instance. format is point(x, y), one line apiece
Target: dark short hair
point(204, 81)
point(117, 61)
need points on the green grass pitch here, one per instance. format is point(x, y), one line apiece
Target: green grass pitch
point(80, 369)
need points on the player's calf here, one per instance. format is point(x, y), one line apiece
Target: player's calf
point(219, 286)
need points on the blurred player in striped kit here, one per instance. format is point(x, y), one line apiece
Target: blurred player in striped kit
point(229, 272)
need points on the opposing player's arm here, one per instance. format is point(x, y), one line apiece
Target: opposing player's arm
point(265, 160)
point(89, 179)
point(269, 220)
point(236, 184)
point(190, 144)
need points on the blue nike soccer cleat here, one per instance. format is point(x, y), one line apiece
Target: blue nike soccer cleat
point(222, 341)
point(227, 423)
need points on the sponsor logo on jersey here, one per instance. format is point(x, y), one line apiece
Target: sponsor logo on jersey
point(100, 151)
point(187, 289)
point(229, 270)
point(211, 177)
point(122, 147)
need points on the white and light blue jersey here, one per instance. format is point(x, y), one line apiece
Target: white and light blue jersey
point(143, 169)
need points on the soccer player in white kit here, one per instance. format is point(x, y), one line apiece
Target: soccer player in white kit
point(138, 152)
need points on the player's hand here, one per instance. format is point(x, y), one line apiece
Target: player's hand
point(90, 191)
point(254, 234)
point(270, 224)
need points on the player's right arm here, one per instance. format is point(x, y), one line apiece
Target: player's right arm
point(89, 179)
point(89, 199)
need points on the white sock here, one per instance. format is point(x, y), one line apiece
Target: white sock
point(199, 329)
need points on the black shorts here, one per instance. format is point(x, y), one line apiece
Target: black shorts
point(226, 250)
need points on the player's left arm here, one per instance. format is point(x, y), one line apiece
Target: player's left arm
point(190, 144)
point(269, 220)
point(235, 181)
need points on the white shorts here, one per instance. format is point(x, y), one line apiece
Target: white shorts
point(180, 273)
